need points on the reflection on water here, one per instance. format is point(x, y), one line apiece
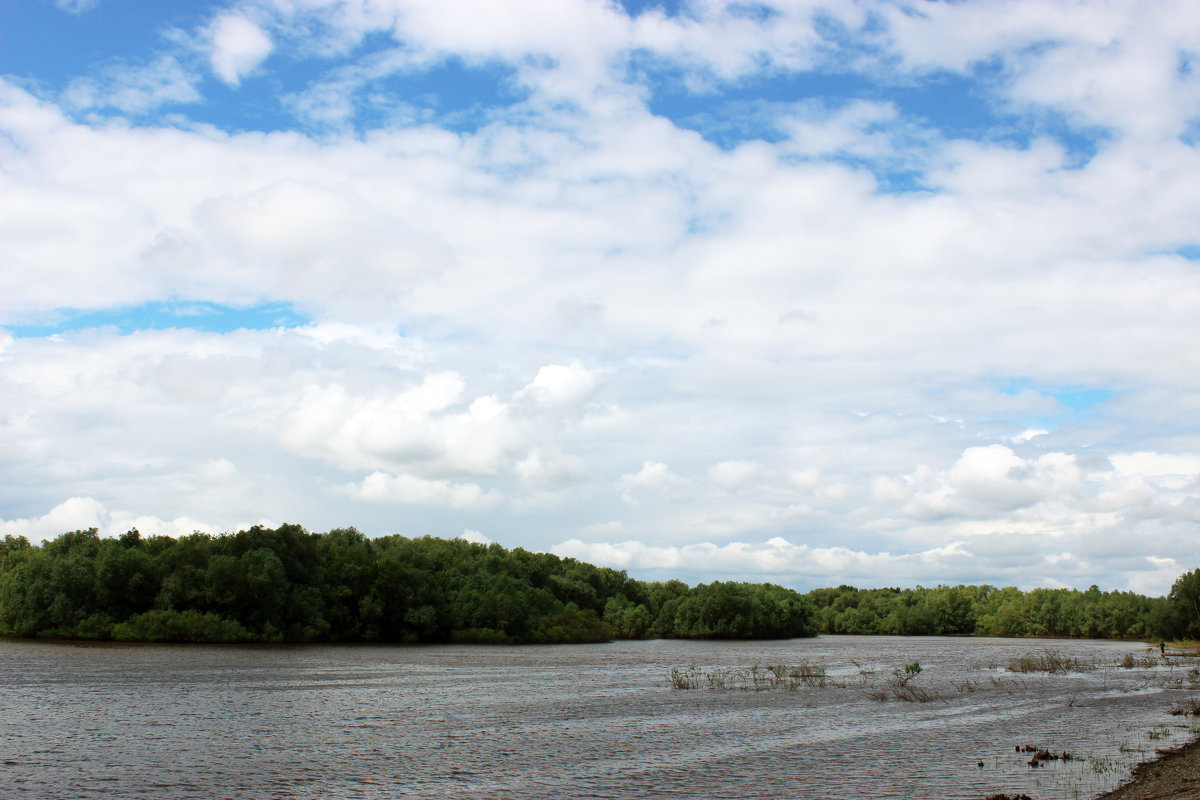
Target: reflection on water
point(594, 721)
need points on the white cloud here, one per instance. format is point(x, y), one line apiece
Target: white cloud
point(515, 306)
point(729, 476)
point(984, 480)
point(547, 468)
point(430, 428)
point(560, 386)
point(135, 89)
point(1106, 65)
point(1006, 562)
point(410, 490)
point(805, 479)
point(475, 537)
point(654, 477)
point(1157, 464)
point(1176, 474)
point(238, 46)
point(82, 513)
point(76, 6)
point(776, 558)
point(218, 469)
point(76, 513)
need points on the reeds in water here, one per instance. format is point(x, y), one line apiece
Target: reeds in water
point(1188, 708)
point(755, 678)
point(1053, 662)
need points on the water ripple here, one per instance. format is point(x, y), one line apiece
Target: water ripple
point(592, 721)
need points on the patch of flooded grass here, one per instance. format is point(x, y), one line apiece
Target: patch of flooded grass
point(755, 678)
point(1182, 648)
point(1188, 708)
point(1106, 765)
point(901, 687)
point(1130, 661)
point(1052, 662)
point(1045, 677)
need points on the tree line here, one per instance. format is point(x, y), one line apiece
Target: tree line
point(289, 585)
point(990, 611)
point(286, 584)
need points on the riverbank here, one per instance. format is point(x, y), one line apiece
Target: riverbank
point(1176, 775)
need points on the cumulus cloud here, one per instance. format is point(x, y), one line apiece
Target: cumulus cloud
point(803, 323)
point(1067, 57)
point(654, 476)
point(429, 427)
point(777, 557)
point(474, 536)
point(984, 480)
point(238, 46)
point(559, 386)
point(82, 513)
point(780, 560)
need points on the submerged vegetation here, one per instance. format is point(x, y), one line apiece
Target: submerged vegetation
point(1077, 687)
point(755, 678)
point(1054, 662)
point(912, 682)
point(287, 584)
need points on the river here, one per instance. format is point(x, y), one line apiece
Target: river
point(583, 721)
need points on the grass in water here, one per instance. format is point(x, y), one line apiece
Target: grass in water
point(1188, 708)
point(901, 687)
point(755, 678)
point(1052, 662)
point(1130, 661)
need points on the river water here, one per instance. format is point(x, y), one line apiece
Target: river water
point(580, 721)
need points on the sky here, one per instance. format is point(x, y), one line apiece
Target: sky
point(880, 293)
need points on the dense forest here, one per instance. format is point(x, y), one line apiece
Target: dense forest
point(289, 585)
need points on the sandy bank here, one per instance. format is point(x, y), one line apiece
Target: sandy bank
point(1176, 775)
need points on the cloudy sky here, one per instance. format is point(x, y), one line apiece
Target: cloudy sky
point(885, 293)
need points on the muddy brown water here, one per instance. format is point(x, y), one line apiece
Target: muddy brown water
point(577, 721)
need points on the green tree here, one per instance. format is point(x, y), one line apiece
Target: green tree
point(1183, 601)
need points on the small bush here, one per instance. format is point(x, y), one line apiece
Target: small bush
point(180, 626)
point(571, 626)
point(685, 678)
point(900, 686)
point(1130, 661)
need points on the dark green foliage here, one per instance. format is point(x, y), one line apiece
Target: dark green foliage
point(573, 625)
point(180, 626)
point(737, 611)
point(285, 584)
point(1180, 615)
point(988, 611)
point(628, 621)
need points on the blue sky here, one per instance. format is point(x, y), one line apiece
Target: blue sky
point(876, 292)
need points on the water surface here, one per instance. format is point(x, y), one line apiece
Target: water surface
point(574, 721)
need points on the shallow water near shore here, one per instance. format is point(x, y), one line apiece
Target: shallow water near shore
point(594, 721)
